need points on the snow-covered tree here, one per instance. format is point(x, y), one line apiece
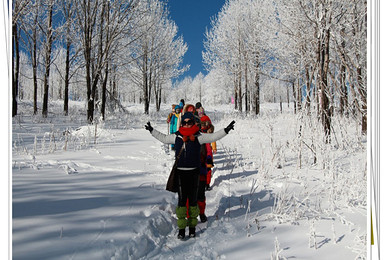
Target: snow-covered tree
point(315, 37)
point(157, 53)
point(237, 44)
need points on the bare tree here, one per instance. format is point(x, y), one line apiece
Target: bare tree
point(19, 9)
point(68, 10)
point(101, 24)
point(48, 33)
point(30, 27)
point(87, 12)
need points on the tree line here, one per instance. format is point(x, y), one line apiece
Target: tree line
point(95, 46)
point(111, 51)
point(318, 49)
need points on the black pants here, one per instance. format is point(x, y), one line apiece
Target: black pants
point(201, 191)
point(189, 183)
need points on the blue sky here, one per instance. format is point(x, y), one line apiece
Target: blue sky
point(193, 17)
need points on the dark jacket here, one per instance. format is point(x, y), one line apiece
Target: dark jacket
point(190, 157)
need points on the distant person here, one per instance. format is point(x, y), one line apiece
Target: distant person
point(191, 108)
point(188, 141)
point(182, 103)
point(171, 114)
point(174, 123)
point(200, 112)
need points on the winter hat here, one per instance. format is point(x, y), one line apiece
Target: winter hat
point(188, 115)
point(198, 105)
point(205, 119)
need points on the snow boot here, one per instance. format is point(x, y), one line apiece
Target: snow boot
point(181, 234)
point(192, 232)
point(203, 218)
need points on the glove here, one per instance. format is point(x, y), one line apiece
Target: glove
point(209, 160)
point(230, 127)
point(148, 127)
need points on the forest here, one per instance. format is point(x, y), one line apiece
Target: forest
point(312, 54)
point(291, 180)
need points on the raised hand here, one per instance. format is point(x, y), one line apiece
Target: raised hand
point(149, 127)
point(230, 127)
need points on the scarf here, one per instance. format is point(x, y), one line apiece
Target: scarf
point(188, 132)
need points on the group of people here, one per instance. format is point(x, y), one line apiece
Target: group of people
point(192, 137)
point(205, 125)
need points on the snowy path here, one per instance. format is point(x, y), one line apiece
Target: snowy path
point(69, 215)
point(107, 201)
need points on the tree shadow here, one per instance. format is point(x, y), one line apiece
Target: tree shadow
point(236, 206)
point(323, 242)
point(233, 175)
point(228, 164)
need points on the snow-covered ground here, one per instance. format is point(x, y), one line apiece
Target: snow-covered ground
point(98, 192)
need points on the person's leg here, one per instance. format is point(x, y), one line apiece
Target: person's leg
point(181, 209)
point(209, 176)
point(201, 200)
point(192, 191)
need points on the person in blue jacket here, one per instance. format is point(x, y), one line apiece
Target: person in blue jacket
point(173, 126)
point(189, 138)
point(173, 123)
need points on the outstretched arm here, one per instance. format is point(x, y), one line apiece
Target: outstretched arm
point(209, 138)
point(213, 137)
point(166, 139)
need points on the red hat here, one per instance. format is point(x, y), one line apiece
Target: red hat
point(205, 119)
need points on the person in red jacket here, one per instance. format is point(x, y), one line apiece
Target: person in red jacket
point(206, 160)
point(207, 127)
